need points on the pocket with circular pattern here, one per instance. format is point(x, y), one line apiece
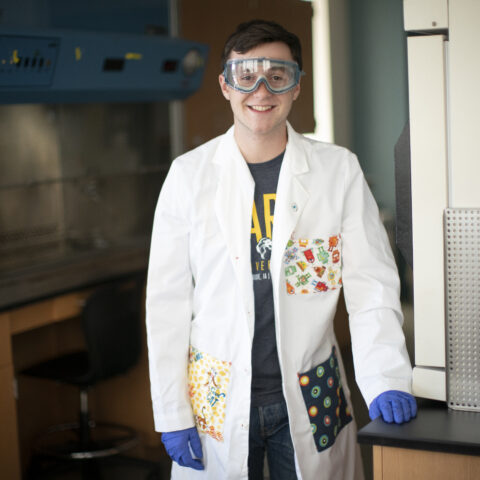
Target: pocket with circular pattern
point(325, 401)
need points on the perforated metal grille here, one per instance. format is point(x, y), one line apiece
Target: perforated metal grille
point(462, 245)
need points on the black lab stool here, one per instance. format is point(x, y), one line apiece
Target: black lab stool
point(111, 323)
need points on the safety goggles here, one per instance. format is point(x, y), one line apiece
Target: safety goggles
point(246, 74)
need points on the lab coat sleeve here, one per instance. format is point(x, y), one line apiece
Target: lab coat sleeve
point(169, 305)
point(371, 289)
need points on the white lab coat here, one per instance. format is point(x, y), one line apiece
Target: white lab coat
point(200, 303)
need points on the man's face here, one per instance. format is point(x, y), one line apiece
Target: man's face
point(261, 112)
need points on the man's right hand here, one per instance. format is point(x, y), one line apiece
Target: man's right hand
point(178, 443)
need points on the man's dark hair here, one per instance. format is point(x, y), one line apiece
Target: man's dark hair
point(256, 32)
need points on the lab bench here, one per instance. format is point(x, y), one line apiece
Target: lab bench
point(440, 443)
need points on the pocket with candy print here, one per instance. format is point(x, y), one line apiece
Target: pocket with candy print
point(313, 265)
point(208, 379)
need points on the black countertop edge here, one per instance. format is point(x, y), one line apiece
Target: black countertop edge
point(436, 428)
point(74, 288)
point(71, 273)
point(418, 444)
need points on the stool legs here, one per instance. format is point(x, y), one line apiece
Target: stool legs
point(84, 419)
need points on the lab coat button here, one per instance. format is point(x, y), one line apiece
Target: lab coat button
point(294, 207)
point(245, 426)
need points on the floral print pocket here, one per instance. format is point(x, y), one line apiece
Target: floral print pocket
point(208, 380)
point(313, 265)
point(325, 401)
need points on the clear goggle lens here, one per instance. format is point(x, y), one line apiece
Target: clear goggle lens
point(245, 75)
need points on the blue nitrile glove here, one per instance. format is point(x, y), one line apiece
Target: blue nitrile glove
point(178, 443)
point(394, 406)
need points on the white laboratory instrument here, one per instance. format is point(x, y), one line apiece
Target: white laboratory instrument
point(444, 105)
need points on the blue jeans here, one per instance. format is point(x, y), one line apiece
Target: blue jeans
point(270, 433)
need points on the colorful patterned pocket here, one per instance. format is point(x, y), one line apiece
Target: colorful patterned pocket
point(208, 380)
point(313, 266)
point(325, 401)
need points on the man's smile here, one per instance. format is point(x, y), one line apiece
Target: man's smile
point(261, 108)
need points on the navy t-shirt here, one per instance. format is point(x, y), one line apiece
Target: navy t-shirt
point(266, 375)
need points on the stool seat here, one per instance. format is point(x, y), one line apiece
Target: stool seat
point(72, 368)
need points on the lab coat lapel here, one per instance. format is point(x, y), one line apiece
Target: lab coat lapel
point(233, 208)
point(290, 201)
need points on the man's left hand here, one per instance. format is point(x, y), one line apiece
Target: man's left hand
point(394, 406)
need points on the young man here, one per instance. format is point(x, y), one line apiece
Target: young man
point(255, 234)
